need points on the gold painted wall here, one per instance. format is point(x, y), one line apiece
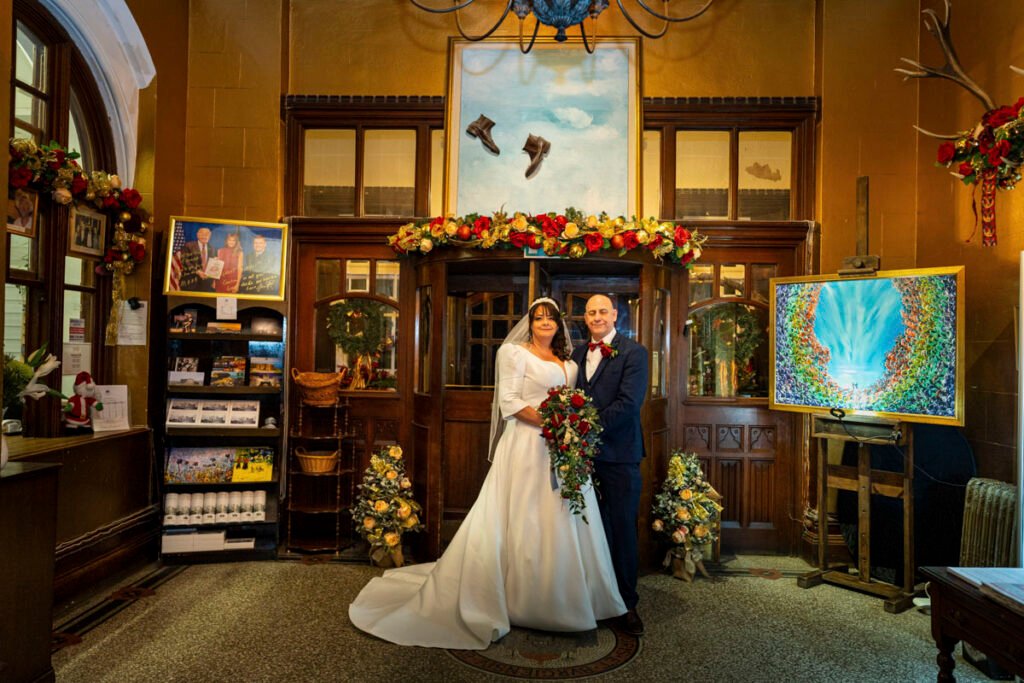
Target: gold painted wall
point(369, 47)
point(988, 38)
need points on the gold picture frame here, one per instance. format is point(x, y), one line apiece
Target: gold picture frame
point(242, 259)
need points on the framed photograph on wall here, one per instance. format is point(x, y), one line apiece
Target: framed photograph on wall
point(540, 132)
point(87, 231)
point(221, 258)
point(22, 211)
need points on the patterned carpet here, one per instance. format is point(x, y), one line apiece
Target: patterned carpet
point(287, 620)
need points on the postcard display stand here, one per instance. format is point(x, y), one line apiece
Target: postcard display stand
point(321, 493)
point(866, 481)
point(222, 435)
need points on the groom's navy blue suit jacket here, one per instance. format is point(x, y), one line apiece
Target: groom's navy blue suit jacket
point(618, 387)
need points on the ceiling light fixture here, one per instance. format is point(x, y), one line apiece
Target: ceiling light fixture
point(560, 15)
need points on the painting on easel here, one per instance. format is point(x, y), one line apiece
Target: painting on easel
point(888, 345)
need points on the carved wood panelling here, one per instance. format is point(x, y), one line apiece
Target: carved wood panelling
point(762, 438)
point(385, 431)
point(762, 498)
point(697, 437)
point(464, 458)
point(730, 478)
point(729, 438)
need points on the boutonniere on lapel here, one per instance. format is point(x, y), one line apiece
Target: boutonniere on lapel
point(606, 350)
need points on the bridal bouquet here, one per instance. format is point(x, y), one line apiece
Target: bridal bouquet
point(571, 429)
point(385, 508)
point(686, 511)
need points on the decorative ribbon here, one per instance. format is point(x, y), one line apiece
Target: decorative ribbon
point(117, 297)
point(988, 208)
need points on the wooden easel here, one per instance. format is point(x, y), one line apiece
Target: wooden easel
point(866, 481)
point(862, 479)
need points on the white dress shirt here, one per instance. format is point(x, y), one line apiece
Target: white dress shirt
point(594, 356)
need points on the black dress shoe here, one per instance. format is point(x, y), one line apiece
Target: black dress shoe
point(632, 624)
point(537, 147)
point(481, 129)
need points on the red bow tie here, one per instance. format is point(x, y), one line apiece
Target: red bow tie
point(595, 345)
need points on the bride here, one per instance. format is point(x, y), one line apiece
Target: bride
point(520, 556)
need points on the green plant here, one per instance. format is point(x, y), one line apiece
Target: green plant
point(16, 377)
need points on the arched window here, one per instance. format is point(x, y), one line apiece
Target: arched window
point(52, 294)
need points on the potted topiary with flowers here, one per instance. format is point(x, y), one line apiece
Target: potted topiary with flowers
point(687, 511)
point(385, 508)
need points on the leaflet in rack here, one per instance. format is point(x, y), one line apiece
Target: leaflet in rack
point(192, 412)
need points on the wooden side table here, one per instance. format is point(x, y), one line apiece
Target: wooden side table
point(960, 611)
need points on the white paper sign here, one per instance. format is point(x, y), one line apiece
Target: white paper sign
point(134, 323)
point(227, 308)
point(114, 415)
point(77, 358)
point(76, 330)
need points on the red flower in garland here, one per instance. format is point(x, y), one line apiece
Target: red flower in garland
point(137, 251)
point(131, 198)
point(79, 185)
point(20, 177)
point(594, 241)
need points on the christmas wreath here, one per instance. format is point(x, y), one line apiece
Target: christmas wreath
point(357, 326)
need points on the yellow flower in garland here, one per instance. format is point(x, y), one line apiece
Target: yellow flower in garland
point(392, 538)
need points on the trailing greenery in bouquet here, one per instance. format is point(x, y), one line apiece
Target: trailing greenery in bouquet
point(572, 234)
point(686, 511)
point(385, 508)
point(571, 430)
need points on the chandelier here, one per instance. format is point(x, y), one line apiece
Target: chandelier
point(560, 15)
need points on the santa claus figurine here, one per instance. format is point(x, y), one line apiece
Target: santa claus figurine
point(77, 411)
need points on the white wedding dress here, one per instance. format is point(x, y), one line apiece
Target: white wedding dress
point(520, 556)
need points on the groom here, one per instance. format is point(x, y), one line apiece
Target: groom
point(613, 371)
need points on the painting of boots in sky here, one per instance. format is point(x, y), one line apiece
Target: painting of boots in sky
point(544, 131)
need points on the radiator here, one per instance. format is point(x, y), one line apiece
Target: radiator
point(990, 512)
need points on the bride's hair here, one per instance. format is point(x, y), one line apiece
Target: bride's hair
point(559, 344)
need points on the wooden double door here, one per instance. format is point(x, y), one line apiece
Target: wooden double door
point(755, 457)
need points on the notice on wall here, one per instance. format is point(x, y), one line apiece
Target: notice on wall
point(132, 329)
point(76, 330)
point(114, 414)
point(76, 358)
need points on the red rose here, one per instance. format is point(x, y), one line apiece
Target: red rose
point(986, 140)
point(533, 240)
point(606, 350)
point(109, 202)
point(998, 151)
point(131, 198)
point(518, 239)
point(546, 432)
point(564, 447)
point(556, 419)
point(629, 240)
point(687, 257)
point(682, 236)
point(578, 401)
point(583, 428)
point(560, 221)
point(552, 392)
point(965, 169)
point(437, 221)
point(946, 152)
point(574, 418)
point(480, 224)
point(79, 184)
point(1000, 116)
point(109, 256)
point(20, 177)
point(594, 241)
point(655, 242)
point(137, 251)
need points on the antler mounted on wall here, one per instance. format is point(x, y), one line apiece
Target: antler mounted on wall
point(992, 151)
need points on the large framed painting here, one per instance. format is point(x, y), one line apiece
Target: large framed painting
point(544, 131)
point(889, 346)
point(240, 259)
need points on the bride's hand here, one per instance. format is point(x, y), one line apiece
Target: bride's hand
point(530, 416)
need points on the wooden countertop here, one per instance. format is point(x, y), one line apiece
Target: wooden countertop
point(23, 447)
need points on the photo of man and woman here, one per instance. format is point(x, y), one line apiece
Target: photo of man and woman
point(220, 258)
point(21, 212)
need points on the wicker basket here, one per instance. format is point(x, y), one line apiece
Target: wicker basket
point(316, 462)
point(317, 388)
